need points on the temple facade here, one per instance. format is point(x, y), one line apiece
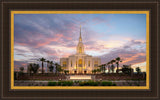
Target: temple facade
point(80, 63)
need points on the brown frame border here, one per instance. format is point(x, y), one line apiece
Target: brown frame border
point(152, 5)
point(147, 12)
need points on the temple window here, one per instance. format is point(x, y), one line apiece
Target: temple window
point(71, 63)
point(95, 63)
point(89, 63)
point(64, 63)
point(80, 63)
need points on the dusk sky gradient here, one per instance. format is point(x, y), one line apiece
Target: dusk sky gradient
point(53, 36)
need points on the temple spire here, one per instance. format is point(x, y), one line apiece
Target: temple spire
point(80, 38)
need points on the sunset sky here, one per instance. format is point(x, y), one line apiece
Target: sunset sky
point(53, 36)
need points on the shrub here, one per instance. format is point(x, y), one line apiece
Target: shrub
point(69, 83)
point(89, 83)
point(59, 83)
point(76, 82)
point(104, 83)
point(114, 84)
point(52, 83)
point(109, 83)
point(64, 84)
point(95, 83)
point(86, 83)
point(81, 83)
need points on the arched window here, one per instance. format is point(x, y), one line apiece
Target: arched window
point(95, 63)
point(71, 63)
point(80, 63)
point(76, 65)
point(64, 63)
point(89, 63)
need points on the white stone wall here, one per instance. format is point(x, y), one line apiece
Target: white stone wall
point(85, 67)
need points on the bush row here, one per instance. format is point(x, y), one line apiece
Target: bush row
point(60, 83)
point(80, 83)
point(92, 83)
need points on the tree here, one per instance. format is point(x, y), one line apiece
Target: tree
point(48, 62)
point(94, 71)
point(32, 67)
point(51, 63)
point(103, 68)
point(56, 64)
point(138, 70)
point(29, 68)
point(66, 71)
point(35, 67)
point(58, 68)
point(21, 69)
point(118, 60)
point(109, 67)
point(51, 68)
point(98, 70)
point(112, 65)
point(126, 69)
point(42, 60)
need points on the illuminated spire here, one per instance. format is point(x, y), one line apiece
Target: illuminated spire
point(80, 38)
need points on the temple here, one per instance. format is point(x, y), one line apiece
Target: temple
point(80, 63)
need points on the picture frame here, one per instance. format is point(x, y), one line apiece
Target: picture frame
point(151, 6)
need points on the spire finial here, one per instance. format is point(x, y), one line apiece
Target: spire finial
point(80, 30)
point(80, 38)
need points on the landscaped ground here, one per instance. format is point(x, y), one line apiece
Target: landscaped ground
point(97, 80)
point(111, 76)
point(81, 83)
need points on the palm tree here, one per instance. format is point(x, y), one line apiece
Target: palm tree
point(32, 67)
point(138, 70)
point(118, 60)
point(112, 65)
point(21, 69)
point(51, 64)
point(94, 71)
point(58, 68)
point(35, 67)
point(56, 64)
point(108, 64)
point(48, 65)
point(42, 60)
point(29, 68)
point(103, 67)
point(98, 70)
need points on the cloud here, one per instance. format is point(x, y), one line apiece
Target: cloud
point(128, 53)
point(56, 35)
